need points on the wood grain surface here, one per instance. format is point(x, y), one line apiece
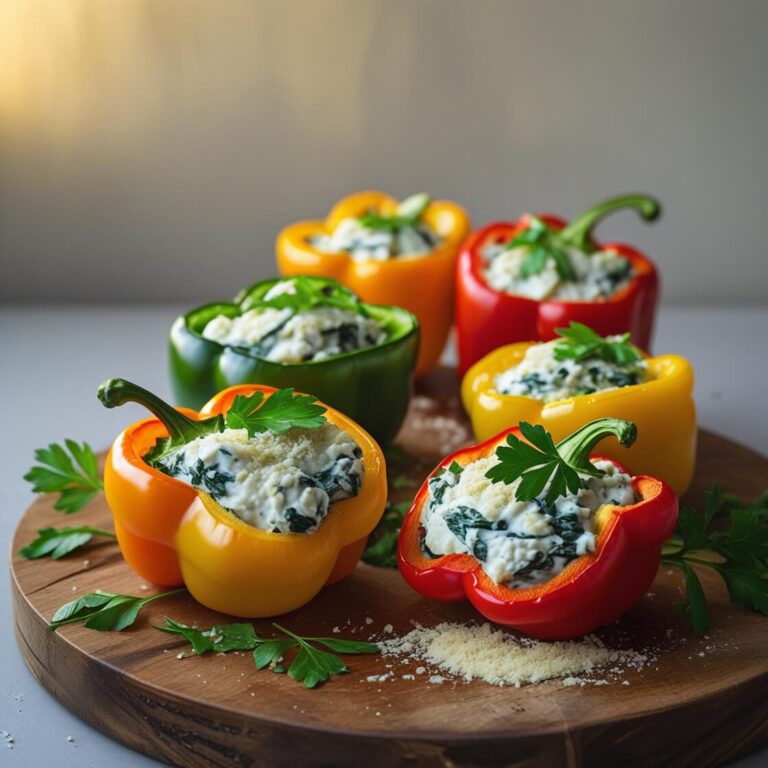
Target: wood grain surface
point(699, 703)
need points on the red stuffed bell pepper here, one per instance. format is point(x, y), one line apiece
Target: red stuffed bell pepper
point(589, 571)
point(623, 298)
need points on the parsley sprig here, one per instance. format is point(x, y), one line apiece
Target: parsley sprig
point(579, 342)
point(311, 665)
point(539, 461)
point(278, 413)
point(105, 611)
point(302, 294)
point(282, 411)
point(542, 244)
point(57, 542)
point(729, 537)
point(71, 470)
point(407, 214)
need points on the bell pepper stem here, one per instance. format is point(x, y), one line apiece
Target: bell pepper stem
point(575, 449)
point(115, 392)
point(579, 232)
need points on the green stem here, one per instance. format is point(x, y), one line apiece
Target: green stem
point(575, 449)
point(181, 429)
point(579, 232)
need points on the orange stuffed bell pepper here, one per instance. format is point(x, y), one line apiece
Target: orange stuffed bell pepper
point(399, 254)
point(171, 532)
point(561, 548)
point(544, 383)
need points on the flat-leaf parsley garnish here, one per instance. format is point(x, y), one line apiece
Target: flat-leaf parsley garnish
point(76, 482)
point(282, 411)
point(57, 542)
point(737, 551)
point(311, 665)
point(407, 214)
point(579, 342)
point(540, 461)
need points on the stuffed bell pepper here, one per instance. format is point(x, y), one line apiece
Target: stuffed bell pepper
point(519, 281)
point(582, 376)
point(401, 254)
point(254, 504)
point(538, 536)
point(310, 333)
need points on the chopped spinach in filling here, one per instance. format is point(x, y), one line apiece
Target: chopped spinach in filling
point(364, 244)
point(280, 483)
point(286, 336)
point(541, 376)
point(517, 543)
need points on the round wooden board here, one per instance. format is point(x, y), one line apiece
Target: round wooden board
point(700, 703)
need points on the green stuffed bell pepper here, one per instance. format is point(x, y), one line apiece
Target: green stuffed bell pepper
point(309, 333)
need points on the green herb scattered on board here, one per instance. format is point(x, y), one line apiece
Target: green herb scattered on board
point(730, 537)
point(382, 547)
point(57, 542)
point(310, 665)
point(71, 470)
point(105, 611)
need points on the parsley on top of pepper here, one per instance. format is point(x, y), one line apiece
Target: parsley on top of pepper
point(579, 342)
point(407, 214)
point(543, 243)
point(539, 461)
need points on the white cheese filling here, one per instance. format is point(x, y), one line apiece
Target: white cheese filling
point(541, 376)
point(365, 244)
point(599, 275)
point(279, 483)
point(518, 543)
point(284, 336)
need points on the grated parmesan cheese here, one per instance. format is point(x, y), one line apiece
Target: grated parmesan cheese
point(472, 652)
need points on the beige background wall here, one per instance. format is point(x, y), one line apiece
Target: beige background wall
point(151, 149)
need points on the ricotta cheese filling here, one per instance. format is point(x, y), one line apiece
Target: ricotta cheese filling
point(365, 244)
point(280, 483)
point(518, 543)
point(286, 336)
point(541, 376)
point(599, 275)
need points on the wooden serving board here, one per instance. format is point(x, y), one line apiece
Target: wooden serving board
point(700, 703)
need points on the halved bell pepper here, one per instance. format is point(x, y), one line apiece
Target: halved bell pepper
point(662, 408)
point(590, 591)
point(171, 533)
point(372, 385)
point(421, 284)
point(487, 318)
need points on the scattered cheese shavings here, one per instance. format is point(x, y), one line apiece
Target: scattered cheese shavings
point(497, 657)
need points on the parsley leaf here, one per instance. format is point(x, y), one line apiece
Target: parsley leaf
point(310, 666)
point(57, 473)
point(105, 611)
point(535, 463)
point(278, 413)
point(579, 342)
point(57, 542)
point(542, 244)
point(382, 546)
point(737, 552)
point(539, 461)
point(407, 214)
point(306, 293)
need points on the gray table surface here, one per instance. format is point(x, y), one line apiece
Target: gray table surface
point(52, 358)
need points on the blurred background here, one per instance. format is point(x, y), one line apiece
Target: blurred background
point(150, 151)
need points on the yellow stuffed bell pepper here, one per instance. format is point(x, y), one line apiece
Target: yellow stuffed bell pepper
point(661, 406)
point(172, 533)
point(421, 282)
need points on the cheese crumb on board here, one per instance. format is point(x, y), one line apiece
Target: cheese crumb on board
point(473, 652)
